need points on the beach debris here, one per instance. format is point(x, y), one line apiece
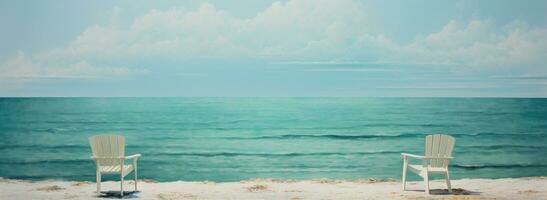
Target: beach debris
point(278, 180)
point(361, 181)
point(374, 180)
point(414, 197)
point(175, 195)
point(460, 191)
point(467, 198)
point(7, 180)
point(82, 183)
point(528, 191)
point(297, 198)
point(257, 188)
point(209, 182)
point(50, 188)
point(268, 180)
point(292, 191)
point(326, 181)
point(149, 181)
point(534, 178)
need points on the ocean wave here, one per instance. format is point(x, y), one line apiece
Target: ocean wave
point(505, 146)
point(328, 136)
point(502, 166)
point(199, 154)
point(353, 127)
point(489, 113)
point(282, 170)
point(47, 176)
point(231, 154)
point(350, 137)
point(490, 134)
point(77, 126)
point(55, 161)
point(97, 122)
point(40, 147)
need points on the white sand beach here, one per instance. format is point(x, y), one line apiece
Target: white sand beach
point(510, 188)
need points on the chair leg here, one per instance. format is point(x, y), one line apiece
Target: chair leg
point(135, 179)
point(121, 186)
point(98, 179)
point(426, 181)
point(448, 182)
point(405, 165)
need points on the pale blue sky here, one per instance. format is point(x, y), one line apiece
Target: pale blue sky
point(273, 48)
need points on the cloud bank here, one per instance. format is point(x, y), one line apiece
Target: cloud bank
point(298, 31)
point(23, 67)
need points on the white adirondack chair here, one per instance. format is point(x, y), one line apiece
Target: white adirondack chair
point(109, 156)
point(438, 151)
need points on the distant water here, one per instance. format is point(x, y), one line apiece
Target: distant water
point(229, 139)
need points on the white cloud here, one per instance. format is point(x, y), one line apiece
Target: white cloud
point(351, 70)
point(283, 31)
point(296, 31)
point(23, 67)
point(519, 77)
point(477, 44)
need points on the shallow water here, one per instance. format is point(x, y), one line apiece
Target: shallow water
point(228, 139)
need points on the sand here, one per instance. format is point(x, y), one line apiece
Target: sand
point(513, 188)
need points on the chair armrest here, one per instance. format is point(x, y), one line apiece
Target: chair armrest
point(405, 155)
point(424, 157)
point(136, 156)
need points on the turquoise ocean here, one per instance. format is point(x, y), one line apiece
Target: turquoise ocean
point(230, 139)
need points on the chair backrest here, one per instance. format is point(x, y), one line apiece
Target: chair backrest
point(108, 149)
point(439, 145)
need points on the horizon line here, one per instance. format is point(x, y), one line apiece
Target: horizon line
point(483, 97)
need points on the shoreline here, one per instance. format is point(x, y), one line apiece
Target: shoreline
point(503, 188)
